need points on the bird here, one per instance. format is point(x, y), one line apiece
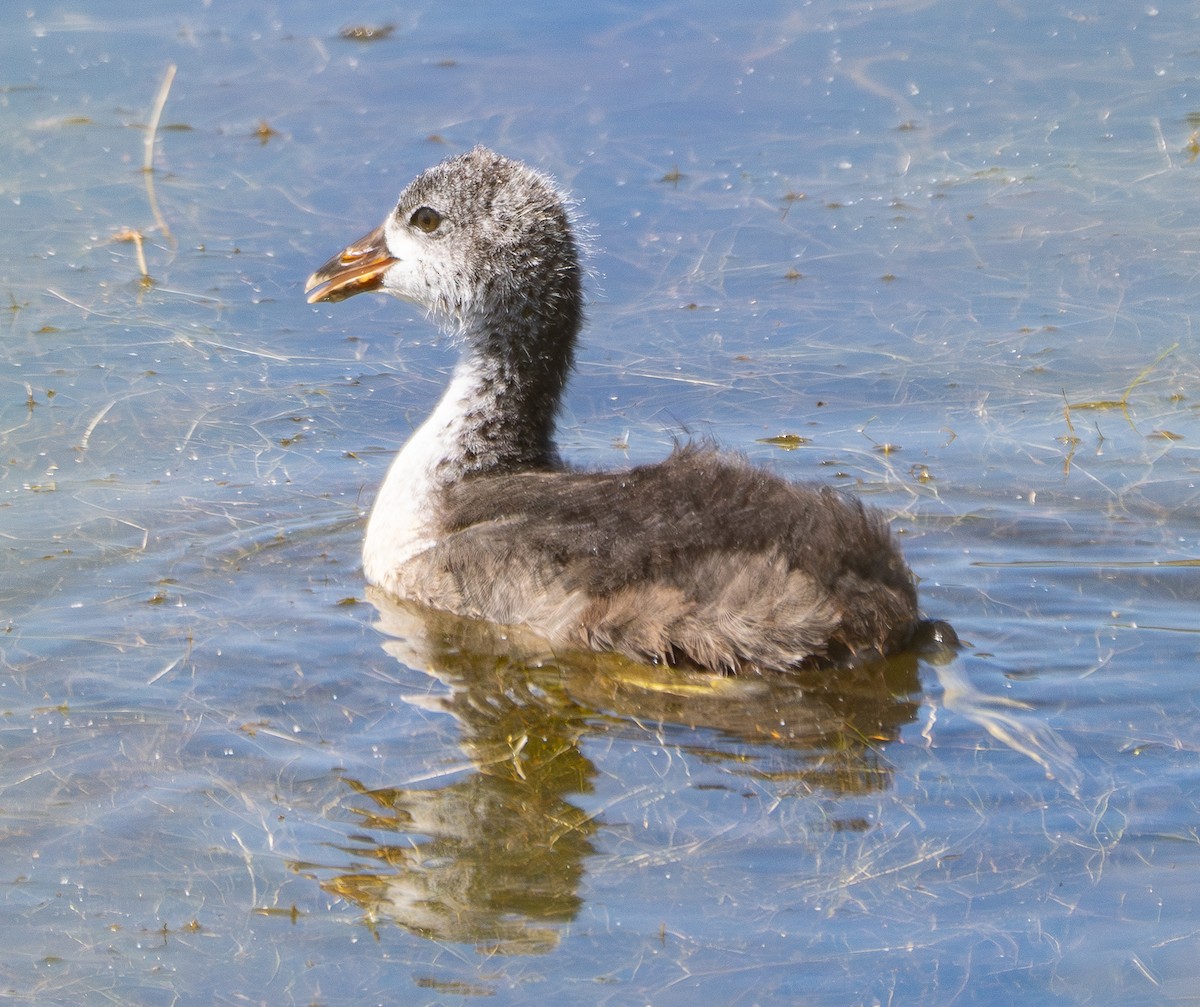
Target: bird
point(702, 560)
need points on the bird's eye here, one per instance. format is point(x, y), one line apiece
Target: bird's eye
point(426, 219)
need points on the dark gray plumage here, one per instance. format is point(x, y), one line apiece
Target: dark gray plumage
point(701, 559)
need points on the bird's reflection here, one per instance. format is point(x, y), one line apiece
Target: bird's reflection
point(496, 856)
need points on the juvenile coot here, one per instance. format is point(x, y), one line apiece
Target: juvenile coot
point(701, 559)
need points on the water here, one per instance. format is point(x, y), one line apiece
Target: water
point(953, 251)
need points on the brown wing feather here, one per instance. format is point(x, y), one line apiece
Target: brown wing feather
point(701, 558)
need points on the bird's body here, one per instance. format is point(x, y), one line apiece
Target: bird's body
point(701, 559)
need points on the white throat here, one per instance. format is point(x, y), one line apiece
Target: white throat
point(404, 517)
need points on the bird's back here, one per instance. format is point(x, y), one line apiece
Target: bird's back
point(702, 559)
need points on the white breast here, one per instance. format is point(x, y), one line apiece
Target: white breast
point(403, 522)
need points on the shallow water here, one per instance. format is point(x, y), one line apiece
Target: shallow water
point(955, 253)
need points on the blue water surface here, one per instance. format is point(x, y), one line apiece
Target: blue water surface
point(949, 251)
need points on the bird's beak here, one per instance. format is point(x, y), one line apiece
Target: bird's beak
point(356, 268)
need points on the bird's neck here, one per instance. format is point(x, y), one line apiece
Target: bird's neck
point(484, 422)
point(497, 415)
